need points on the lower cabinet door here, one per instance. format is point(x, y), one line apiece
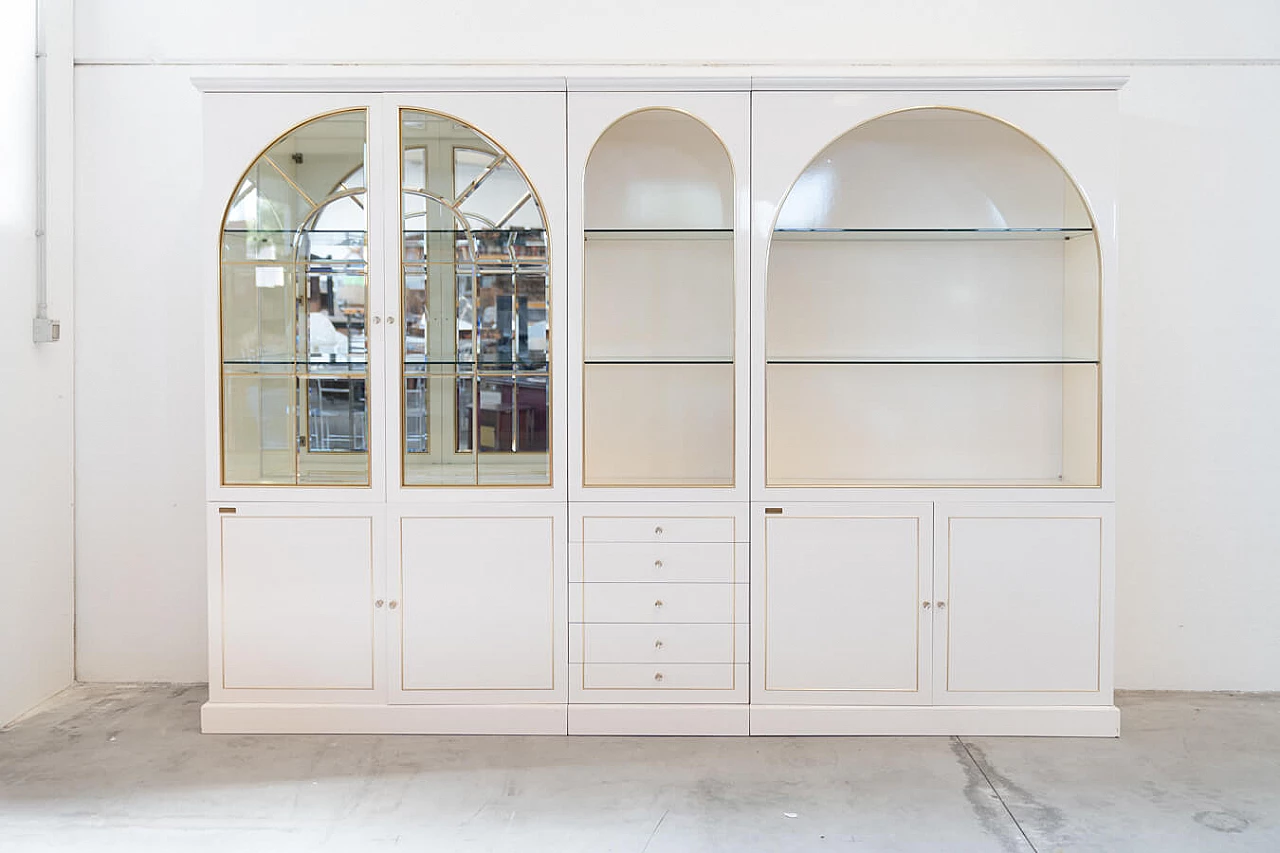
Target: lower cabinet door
point(1023, 604)
point(480, 604)
point(294, 594)
point(840, 604)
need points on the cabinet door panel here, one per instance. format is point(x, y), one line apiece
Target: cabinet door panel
point(1024, 602)
point(297, 603)
point(477, 604)
point(841, 600)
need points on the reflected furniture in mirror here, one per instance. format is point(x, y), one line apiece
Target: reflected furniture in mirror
point(639, 406)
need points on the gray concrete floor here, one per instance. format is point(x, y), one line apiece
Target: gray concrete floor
point(124, 768)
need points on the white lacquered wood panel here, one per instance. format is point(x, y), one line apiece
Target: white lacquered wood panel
point(656, 297)
point(637, 429)
point(712, 527)
point(657, 168)
point(681, 684)
point(927, 299)
point(832, 424)
point(676, 719)
point(297, 602)
point(658, 603)
point(478, 603)
point(839, 605)
point(637, 562)
point(658, 643)
point(658, 677)
point(1025, 592)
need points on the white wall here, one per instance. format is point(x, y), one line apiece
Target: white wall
point(1199, 391)
point(36, 478)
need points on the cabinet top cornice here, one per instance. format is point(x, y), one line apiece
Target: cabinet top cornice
point(677, 78)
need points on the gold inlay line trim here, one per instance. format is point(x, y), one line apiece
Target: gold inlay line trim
point(290, 181)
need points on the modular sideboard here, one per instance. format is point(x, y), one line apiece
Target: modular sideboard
point(681, 406)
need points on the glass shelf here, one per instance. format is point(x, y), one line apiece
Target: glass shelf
point(354, 358)
point(603, 234)
point(359, 234)
point(920, 234)
point(482, 366)
point(932, 360)
point(459, 232)
point(659, 361)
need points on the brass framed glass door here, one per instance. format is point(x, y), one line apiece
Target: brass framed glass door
point(294, 296)
point(475, 335)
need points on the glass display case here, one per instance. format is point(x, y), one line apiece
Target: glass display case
point(294, 359)
point(932, 312)
point(658, 305)
point(475, 340)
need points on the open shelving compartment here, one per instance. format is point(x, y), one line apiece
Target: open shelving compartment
point(658, 305)
point(932, 310)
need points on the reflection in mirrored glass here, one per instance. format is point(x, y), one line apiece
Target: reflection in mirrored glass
point(294, 299)
point(475, 303)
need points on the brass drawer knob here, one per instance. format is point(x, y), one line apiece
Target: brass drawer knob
point(657, 531)
point(657, 644)
point(657, 564)
point(658, 603)
point(657, 676)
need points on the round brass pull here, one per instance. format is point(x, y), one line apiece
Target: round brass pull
point(657, 676)
point(657, 530)
point(926, 605)
point(657, 644)
point(393, 605)
point(378, 603)
point(657, 564)
point(657, 603)
point(391, 321)
point(941, 605)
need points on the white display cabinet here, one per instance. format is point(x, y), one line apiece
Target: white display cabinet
point(388, 540)
point(932, 285)
point(689, 406)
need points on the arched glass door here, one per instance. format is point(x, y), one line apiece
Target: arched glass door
point(294, 294)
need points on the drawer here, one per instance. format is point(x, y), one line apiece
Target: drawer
point(643, 676)
point(655, 603)
point(637, 562)
point(603, 643)
point(603, 528)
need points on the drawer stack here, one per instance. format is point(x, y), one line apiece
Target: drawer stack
point(659, 610)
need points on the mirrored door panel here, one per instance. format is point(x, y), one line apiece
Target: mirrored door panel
point(294, 354)
point(474, 301)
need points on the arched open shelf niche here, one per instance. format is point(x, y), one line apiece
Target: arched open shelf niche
point(658, 305)
point(932, 312)
point(294, 295)
point(475, 341)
